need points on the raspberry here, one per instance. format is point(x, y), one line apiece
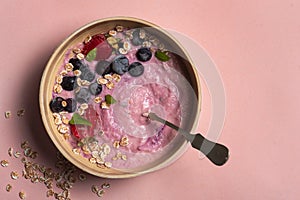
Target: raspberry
point(80, 131)
point(93, 116)
point(74, 131)
point(104, 50)
point(94, 42)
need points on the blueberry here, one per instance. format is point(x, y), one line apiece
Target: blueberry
point(136, 69)
point(95, 88)
point(144, 54)
point(77, 64)
point(69, 83)
point(103, 67)
point(56, 105)
point(71, 105)
point(83, 96)
point(120, 65)
point(136, 40)
point(87, 74)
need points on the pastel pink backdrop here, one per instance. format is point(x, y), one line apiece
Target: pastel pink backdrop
point(255, 45)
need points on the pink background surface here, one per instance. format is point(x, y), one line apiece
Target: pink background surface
point(256, 46)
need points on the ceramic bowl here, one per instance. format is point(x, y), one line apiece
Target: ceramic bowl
point(189, 120)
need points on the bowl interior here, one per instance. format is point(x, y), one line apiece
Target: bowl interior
point(190, 115)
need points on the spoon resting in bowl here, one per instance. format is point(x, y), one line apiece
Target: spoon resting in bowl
point(215, 152)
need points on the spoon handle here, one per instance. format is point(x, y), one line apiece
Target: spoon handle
point(215, 152)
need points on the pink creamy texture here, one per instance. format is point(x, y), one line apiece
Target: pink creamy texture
point(137, 95)
point(156, 91)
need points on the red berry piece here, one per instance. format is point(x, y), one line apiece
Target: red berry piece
point(74, 131)
point(104, 51)
point(92, 115)
point(80, 131)
point(93, 43)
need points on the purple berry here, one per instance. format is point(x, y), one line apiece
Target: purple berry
point(136, 69)
point(144, 54)
point(56, 105)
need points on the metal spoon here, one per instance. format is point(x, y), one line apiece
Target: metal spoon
point(215, 152)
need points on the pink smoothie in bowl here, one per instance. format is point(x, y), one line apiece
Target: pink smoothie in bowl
point(98, 84)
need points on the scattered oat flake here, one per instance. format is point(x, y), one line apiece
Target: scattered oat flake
point(4, 163)
point(85, 83)
point(24, 144)
point(84, 106)
point(21, 112)
point(119, 155)
point(97, 99)
point(87, 39)
point(76, 151)
point(102, 81)
point(81, 177)
point(50, 193)
point(110, 85)
point(59, 79)
point(119, 28)
point(104, 105)
point(14, 175)
point(93, 160)
point(100, 193)
point(80, 56)
point(108, 77)
point(69, 67)
point(124, 141)
point(116, 77)
point(63, 128)
point(66, 136)
point(108, 164)
point(94, 189)
point(63, 72)
point(27, 152)
point(112, 32)
point(76, 50)
point(22, 195)
point(105, 185)
point(7, 114)
point(8, 187)
point(105, 148)
point(77, 72)
point(123, 51)
point(57, 121)
point(116, 144)
point(124, 157)
point(17, 154)
point(57, 88)
point(65, 120)
point(10, 151)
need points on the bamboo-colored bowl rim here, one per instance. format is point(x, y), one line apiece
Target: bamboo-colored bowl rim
point(45, 95)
